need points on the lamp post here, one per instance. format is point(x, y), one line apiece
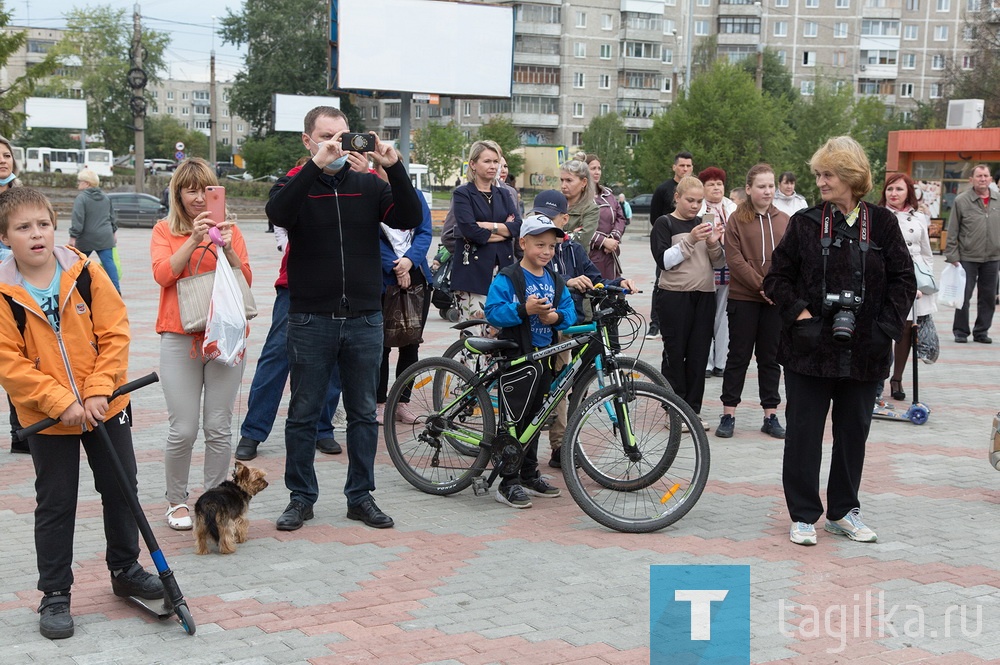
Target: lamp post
point(687, 46)
point(759, 76)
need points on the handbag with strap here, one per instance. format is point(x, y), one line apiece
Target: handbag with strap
point(925, 278)
point(195, 292)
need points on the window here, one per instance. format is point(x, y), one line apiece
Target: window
point(968, 34)
point(937, 62)
point(580, 50)
point(632, 138)
point(225, 140)
point(577, 138)
point(225, 112)
point(807, 87)
point(668, 56)
point(581, 19)
point(905, 89)
point(643, 21)
point(840, 30)
point(578, 79)
point(701, 28)
point(879, 28)
point(497, 106)
point(640, 80)
point(780, 3)
point(669, 26)
point(812, 4)
point(909, 61)
point(840, 58)
point(935, 92)
point(839, 85)
point(809, 59)
point(968, 62)
point(782, 57)
point(781, 28)
point(911, 32)
point(375, 112)
point(535, 75)
point(605, 51)
point(605, 109)
point(944, 5)
point(170, 94)
point(941, 33)
point(538, 13)
point(185, 111)
point(913, 5)
point(467, 109)
point(668, 84)
point(739, 25)
point(811, 29)
point(907, 116)
point(170, 110)
point(843, 4)
point(972, 5)
point(879, 57)
point(524, 104)
point(577, 110)
point(607, 22)
point(224, 126)
point(604, 81)
point(418, 111)
point(645, 50)
point(875, 4)
point(704, 3)
point(536, 45)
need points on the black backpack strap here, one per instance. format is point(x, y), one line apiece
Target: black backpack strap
point(83, 281)
point(20, 318)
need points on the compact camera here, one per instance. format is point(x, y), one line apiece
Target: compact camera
point(358, 142)
point(843, 305)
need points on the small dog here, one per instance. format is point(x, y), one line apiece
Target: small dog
point(220, 513)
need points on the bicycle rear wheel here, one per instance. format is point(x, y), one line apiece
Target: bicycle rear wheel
point(452, 418)
point(640, 489)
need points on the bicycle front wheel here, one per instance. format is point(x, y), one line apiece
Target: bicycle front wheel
point(638, 459)
point(631, 368)
point(452, 418)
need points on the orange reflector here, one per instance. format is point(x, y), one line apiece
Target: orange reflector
point(422, 383)
point(673, 490)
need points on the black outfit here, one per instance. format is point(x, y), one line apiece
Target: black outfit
point(753, 326)
point(984, 276)
point(661, 204)
point(819, 371)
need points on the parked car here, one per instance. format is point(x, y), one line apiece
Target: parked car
point(160, 165)
point(137, 210)
point(640, 204)
point(227, 170)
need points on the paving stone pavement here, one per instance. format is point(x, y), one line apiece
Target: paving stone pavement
point(464, 580)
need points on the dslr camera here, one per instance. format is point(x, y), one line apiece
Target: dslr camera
point(357, 142)
point(843, 305)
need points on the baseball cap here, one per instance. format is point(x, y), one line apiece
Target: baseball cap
point(550, 203)
point(533, 224)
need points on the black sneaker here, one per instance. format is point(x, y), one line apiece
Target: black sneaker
point(772, 427)
point(718, 372)
point(513, 496)
point(959, 339)
point(54, 620)
point(540, 487)
point(295, 514)
point(135, 581)
point(555, 461)
point(982, 339)
point(726, 426)
point(328, 446)
point(246, 449)
point(653, 332)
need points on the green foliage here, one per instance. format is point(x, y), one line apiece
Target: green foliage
point(814, 119)
point(502, 130)
point(95, 56)
point(276, 153)
point(163, 132)
point(982, 81)
point(355, 118)
point(286, 53)
point(605, 137)
point(722, 120)
point(871, 122)
point(776, 80)
point(441, 148)
point(12, 98)
point(48, 137)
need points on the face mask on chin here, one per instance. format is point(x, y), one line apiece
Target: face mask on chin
point(9, 179)
point(336, 165)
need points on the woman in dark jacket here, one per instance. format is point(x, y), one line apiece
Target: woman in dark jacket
point(488, 224)
point(839, 261)
point(94, 224)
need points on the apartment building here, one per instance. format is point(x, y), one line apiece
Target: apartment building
point(575, 61)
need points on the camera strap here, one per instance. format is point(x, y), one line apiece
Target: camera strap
point(864, 238)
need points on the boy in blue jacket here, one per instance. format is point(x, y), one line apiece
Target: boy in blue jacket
point(529, 302)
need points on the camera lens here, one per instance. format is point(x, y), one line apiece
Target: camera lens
point(843, 326)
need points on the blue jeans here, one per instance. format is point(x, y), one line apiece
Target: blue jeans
point(107, 257)
point(318, 344)
point(272, 374)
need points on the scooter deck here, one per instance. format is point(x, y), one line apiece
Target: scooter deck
point(156, 606)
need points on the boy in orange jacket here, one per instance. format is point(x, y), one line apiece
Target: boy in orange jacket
point(64, 343)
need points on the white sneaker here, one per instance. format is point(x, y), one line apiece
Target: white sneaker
point(852, 527)
point(404, 415)
point(802, 533)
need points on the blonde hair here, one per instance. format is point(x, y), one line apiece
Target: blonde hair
point(16, 198)
point(579, 168)
point(847, 159)
point(192, 173)
point(476, 151)
point(89, 177)
point(686, 183)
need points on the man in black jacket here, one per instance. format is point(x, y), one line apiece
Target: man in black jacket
point(333, 217)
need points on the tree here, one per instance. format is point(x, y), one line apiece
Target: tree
point(163, 132)
point(776, 80)
point(813, 120)
point(605, 136)
point(871, 123)
point(441, 148)
point(276, 153)
point(22, 87)
point(48, 137)
point(982, 80)
point(723, 120)
point(286, 53)
point(502, 130)
point(95, 51)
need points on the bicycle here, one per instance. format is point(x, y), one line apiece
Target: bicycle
point(642, 454)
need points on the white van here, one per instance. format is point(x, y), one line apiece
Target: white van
point(52, 160)
point(100, 161)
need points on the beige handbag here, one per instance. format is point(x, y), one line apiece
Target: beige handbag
point(195, 292)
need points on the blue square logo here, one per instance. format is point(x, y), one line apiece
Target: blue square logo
point(699, 615)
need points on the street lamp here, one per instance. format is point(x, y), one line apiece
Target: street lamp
point(762, 13)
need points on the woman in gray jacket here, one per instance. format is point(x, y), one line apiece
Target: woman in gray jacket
point(94, 224)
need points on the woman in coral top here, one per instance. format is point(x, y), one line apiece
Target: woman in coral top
point(176, 248)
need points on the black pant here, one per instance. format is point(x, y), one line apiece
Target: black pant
point(408, 354)
point(654, 317)
point(687, 318)
point(15, 424)
point(986, 276)
point(809, 399)
point(57, 479)
point(526, 397)
point(752, 325)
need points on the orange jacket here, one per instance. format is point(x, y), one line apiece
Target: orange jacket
point(162, 246)
point(46, 372)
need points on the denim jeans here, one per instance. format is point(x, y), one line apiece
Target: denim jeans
point(316, 345)
point(107, 257)
point(272, 374)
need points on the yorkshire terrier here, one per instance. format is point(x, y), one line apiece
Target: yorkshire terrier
point(220, 513)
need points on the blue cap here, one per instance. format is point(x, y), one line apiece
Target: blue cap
point(550, 203)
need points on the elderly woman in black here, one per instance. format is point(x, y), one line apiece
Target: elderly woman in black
point(843, 282)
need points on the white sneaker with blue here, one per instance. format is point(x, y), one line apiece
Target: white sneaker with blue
point(803, 533)
point(852, 527)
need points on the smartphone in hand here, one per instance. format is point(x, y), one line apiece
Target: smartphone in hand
point(215, 200)
point(708, 218)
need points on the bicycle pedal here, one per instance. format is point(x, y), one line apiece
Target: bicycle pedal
point(480, 487)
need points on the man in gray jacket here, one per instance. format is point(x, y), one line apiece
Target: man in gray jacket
point(974, 243)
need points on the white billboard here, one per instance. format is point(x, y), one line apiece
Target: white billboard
point(429, 46)
point(290, 110)
point(58, 113)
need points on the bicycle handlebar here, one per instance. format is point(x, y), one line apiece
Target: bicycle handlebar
point(125, 388)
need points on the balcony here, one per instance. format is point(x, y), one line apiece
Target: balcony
point(639, 94)
point(542, 59)
point(535, 119)
point(390, 122)
point(532, 28)
point(537, 89)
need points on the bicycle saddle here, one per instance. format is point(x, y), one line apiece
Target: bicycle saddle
point(489, 345)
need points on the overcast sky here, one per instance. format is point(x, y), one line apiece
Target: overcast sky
point(188, 22)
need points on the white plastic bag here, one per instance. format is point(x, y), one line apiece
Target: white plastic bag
point(227, 328)
point(952, 293)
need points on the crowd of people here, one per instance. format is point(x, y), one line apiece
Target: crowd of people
point(825, 293)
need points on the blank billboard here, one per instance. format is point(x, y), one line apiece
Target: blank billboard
point(58, 113)
point(290, 110)
point(427, 46)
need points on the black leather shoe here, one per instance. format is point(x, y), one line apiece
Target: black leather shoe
point(370, 514)
point(246, 449)
point(328, 446)
point(961, 340)
point(54, 620)
point(295, 514)
point(982, 339)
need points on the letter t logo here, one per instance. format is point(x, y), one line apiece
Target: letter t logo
point(701, 609)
